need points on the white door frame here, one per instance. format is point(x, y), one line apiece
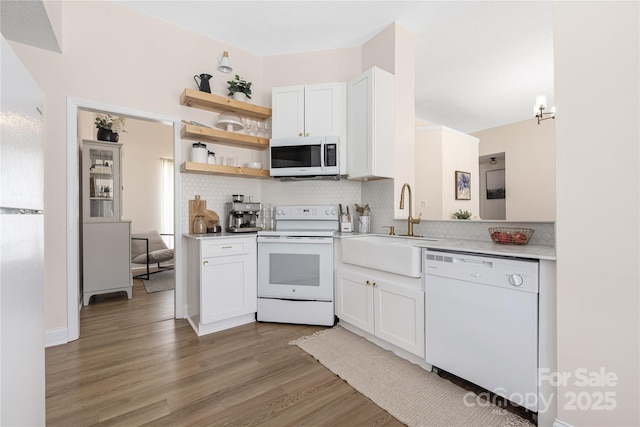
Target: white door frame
point(74, 300)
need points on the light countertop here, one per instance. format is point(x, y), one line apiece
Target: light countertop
point(546, 252)
point(223, 234)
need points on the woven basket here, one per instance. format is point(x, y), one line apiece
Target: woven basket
point(510, 235)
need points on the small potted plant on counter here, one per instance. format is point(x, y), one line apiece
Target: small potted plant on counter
point(462, 214)
point(239, 88)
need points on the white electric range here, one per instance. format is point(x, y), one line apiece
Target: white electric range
point(295, 266)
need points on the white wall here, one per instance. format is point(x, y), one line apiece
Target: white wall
point(596, 54)
point(530, 166)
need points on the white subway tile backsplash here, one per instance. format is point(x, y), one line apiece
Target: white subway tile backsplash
point(378, 194)
point(311, 192)
point(216, 190)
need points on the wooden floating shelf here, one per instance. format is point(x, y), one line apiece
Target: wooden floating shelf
point(205, 168)
point(217, 103)
point(200, 133)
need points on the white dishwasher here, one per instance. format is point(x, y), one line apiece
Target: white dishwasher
point(482, 321)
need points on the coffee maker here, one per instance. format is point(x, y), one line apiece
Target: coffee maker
point(242, 217)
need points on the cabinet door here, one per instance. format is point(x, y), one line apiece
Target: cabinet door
point(354, 300)
point(322, 109)
point(399, 316)
point(227, 288)
point(360, 126)
point(106, 256)
point(101, 183)
point(371, 125)
point(287, 119)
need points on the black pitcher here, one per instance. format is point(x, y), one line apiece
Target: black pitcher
point(203, 85)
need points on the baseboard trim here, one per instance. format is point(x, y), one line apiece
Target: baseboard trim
point(558, 423)
point(55, 337)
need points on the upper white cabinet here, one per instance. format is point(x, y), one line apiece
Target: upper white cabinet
point(308, 110)
point(371, 125)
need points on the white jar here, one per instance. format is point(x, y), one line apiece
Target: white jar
point(199, 152)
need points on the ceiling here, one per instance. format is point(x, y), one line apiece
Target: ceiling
point(479, 64)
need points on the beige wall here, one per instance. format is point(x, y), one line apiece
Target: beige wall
point(393, 50)
point(439, 153)
point(115, 56)
point(530, 167)
point(596, 55)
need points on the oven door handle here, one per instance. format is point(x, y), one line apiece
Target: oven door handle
point(295, 240)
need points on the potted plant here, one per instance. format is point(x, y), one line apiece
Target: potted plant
point(109, 127)
point(462, 214)
point(239, 88)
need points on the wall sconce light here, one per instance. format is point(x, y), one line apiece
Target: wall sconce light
point(493, 161)
point(223, 63)
point(540, 106)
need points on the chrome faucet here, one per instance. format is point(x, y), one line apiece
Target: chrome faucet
point(410, 220)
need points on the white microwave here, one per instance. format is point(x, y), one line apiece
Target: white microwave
point(304, 156)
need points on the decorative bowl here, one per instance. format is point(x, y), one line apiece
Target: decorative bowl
point(253, 165)
point(511, 235)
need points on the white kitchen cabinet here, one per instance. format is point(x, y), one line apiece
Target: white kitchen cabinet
point(106, 258)
point(221, 283)
point(308, 110)
point(382, 305)
point(371, 125)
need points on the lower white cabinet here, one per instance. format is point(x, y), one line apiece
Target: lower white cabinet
point(222, 282)
point(382, 305)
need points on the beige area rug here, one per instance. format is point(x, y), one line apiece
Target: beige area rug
point(411, 394)
point(158, 282)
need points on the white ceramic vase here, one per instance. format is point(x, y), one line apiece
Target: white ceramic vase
point(240, 96)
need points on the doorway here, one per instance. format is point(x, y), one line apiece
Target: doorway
point(493, 187)
point(74, 267)
point(146, 166)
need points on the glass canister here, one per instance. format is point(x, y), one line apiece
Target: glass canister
point(212, 158)
point(199, 225)
point(364, 225)
point(199, 152)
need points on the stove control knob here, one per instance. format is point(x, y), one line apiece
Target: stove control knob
point(281, 212)
point(333, 211)
point(516, 280)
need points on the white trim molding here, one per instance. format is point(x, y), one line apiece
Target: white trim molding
point(558, 423)
point(55, 337)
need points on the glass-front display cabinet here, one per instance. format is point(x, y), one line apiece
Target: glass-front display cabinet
point(101, 181)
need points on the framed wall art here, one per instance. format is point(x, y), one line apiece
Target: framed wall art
point(463, 185)
point(496, 184)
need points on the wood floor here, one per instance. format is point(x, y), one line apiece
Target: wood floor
point(136, 365)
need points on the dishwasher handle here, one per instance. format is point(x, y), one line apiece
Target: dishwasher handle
point(478, 262)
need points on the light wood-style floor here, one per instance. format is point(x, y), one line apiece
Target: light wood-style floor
point(135, 365)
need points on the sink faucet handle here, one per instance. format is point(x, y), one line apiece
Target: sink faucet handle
point(417, 220)
point(392, 231)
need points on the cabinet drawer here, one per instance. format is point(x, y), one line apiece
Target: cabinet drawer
point(225, 248)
